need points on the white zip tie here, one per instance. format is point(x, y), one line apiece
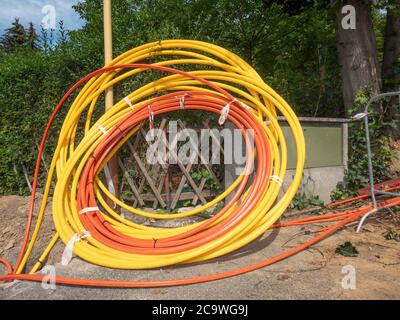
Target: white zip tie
point(276, 179)
point(129, 102)
point(89, 209)
point(268, 122)
point(68, 251)
point(245, 106)
point(225, 112)
point(102, 129)
point(359, 116)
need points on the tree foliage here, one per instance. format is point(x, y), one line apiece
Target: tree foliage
point(293, 47)
point(14, 37)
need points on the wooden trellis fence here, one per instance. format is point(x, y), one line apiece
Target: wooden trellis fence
point(165, 185)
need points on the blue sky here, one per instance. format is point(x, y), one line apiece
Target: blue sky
point(31, 10)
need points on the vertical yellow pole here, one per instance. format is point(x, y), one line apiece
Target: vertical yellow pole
point(109, 94)
point(108, 46)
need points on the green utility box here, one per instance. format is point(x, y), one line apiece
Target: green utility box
point(326, 155)
point(326, 142)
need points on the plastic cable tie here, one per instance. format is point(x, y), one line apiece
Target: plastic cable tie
point(102, 129)
point(89, 209)
point(245, 106)
point(225, 112)
point(129, 102)
point(276, 179)
point(359, 116)
point(68, 251)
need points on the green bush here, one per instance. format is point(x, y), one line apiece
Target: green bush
point(356, 175)
point(294, 53)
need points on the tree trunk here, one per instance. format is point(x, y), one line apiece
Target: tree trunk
point(391, 50)
point(391, 64)
point(357, 51)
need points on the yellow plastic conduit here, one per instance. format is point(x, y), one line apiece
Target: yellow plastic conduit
point(220, 67)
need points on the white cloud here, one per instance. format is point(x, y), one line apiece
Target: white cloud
point(31, 10)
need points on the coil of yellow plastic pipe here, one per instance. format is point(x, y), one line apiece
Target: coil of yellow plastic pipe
point(217, 77)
